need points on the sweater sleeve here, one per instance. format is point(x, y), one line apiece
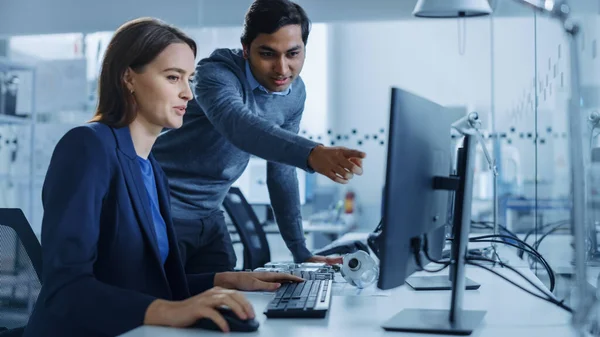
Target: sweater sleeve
point(218, 92)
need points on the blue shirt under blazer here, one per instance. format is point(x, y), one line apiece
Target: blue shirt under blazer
point(101, 263)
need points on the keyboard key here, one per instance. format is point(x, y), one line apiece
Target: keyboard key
point(311, 302)
point(290, 290)
point(306, 289)
point(296, 305)
point(314, 290)
point(298, 290)
point(273, 305)
point(280, 292)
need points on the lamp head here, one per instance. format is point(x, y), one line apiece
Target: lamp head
point(468, 124)
point(451, 8)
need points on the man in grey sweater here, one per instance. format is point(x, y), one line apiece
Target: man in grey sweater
point(247, 101)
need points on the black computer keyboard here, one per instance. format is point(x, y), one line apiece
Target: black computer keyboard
point(308, 299)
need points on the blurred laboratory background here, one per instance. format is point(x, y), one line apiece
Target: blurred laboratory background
point(512, 68)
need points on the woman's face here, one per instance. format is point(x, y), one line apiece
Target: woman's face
point(162, 87)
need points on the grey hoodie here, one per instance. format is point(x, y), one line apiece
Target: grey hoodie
point(223, 125)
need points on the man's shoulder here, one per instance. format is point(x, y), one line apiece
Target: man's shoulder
point(221, 63)
point(298, 89)
point(224, 57)
point(298, 85)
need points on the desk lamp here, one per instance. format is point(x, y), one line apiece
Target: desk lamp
point(470, 124)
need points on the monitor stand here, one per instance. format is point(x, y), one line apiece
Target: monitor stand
point(434, 322)
point(441, 282)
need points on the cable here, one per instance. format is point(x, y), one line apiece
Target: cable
point(522, 244)
point(536, 244)
point(471, 258)
point(542, 227)
point(533, 230)
point(416, 250)
point(435, 270)
point(548, 298)
point(426, 251)
point(530, 250)
point(492, 236)
point(549, 270)
point(489, 225)
point(379, 226)
point(531, 253)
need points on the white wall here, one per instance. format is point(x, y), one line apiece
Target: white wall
point(420, 56)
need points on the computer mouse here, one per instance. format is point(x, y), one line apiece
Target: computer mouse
point(236, 324)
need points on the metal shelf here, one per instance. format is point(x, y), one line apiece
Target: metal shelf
point(29, 121)
point(8, 119)
point(15, 177)
point(6, 65)
point(22, 176)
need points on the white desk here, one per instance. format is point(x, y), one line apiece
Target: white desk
point(314, 227)
point(506, 253)
point(307, 226)
point(510, 312)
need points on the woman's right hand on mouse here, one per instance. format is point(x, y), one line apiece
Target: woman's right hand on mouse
point(185, 313)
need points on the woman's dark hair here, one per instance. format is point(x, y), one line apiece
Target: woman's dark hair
point(267, 16)
point(134, 45)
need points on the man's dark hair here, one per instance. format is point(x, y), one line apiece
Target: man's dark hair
point(134, 45)
point(268, 16)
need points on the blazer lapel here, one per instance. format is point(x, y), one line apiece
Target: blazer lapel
point(137, 189)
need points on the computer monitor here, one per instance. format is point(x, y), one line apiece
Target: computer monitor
point(444, 282)
point(418, 184)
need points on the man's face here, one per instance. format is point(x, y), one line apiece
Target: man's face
point(277, 59)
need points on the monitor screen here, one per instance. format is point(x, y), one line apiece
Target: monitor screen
point(419, 149)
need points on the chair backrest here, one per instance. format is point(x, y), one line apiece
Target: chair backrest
point(252, 235)
point(20, 268)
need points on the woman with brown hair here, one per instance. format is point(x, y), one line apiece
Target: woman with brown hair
point(110, 257)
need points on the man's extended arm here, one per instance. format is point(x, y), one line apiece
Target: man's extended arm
point(282, 182)
point(218, 93)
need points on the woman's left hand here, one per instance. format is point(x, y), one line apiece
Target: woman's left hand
point(254, 281)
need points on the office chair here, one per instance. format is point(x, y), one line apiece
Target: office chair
point(20, 271)
point(252, 235)
point(254, 239)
